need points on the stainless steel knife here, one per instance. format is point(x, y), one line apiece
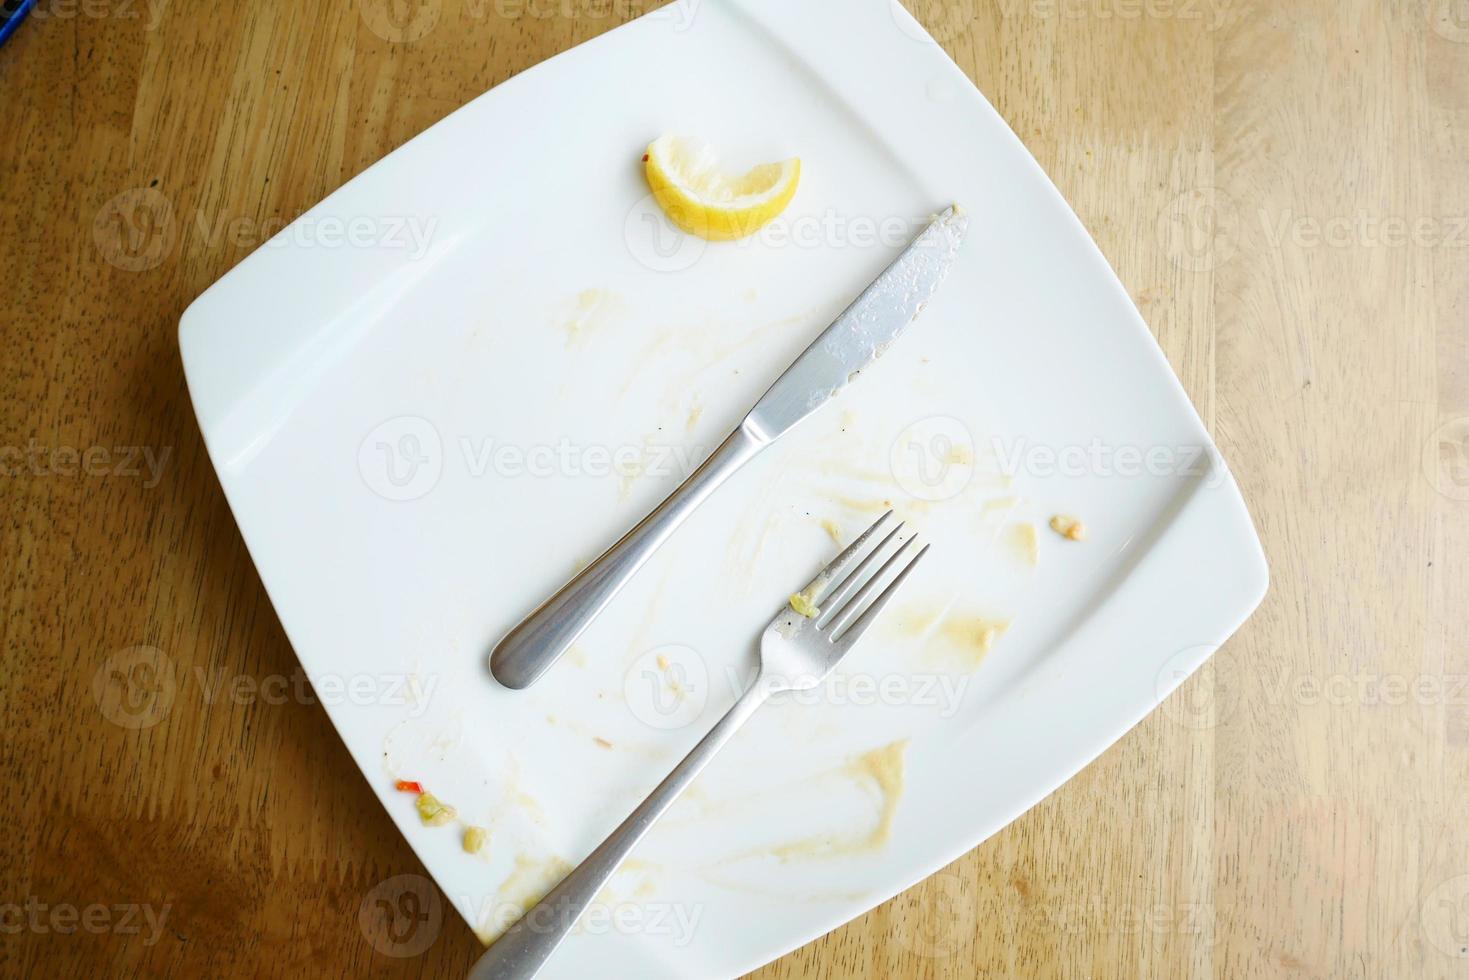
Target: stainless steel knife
point(855, 339)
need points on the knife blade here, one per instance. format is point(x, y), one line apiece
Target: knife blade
point(860, 335)
point(865, 329)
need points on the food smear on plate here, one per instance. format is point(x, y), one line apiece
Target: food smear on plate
point(588, 311)
point(997, 505)
point(527, 883)
point(881, 771)
point(1068, 527)
point(704, 201)
point(966, 639)
point(1025, 542)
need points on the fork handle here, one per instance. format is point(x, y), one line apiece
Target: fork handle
point(528, 650)
point(521, 952)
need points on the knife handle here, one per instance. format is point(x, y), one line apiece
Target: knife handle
point(528, 650)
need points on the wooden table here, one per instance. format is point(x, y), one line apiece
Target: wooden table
point(1284, 189)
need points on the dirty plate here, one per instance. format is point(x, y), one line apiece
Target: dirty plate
point(474, 366)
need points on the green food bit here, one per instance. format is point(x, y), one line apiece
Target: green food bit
point(434, 812)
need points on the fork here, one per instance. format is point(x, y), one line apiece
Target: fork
point(797, 651)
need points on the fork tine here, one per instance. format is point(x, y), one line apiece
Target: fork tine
point(866, 608)
point(836, 596)
point(819, 586)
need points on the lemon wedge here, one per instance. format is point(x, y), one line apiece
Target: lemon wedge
point(703, 200)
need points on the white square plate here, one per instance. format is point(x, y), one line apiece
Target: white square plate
point(424, 400)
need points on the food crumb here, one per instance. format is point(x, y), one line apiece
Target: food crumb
point(802, 604)
point(474, 839)
point(832, 528)
point(662, 662)
point(433, 811)
point(602, 741)
point(1068, 527)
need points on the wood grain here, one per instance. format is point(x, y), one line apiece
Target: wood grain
point(1284, 190)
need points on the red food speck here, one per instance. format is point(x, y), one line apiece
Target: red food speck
point(409, 786)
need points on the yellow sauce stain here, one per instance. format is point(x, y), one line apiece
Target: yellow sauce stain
point(917, 620)
point(997, 505)
point(527, 883)
point(882, 768)
point(972, 637)
point(694, 414)
point(832, 529)
point(576, 655)
point(960, 456)
point(1025, 542)
point(531, 806)
point(590, 309)
point(639, 864)
point(863, 506)
point(628, 475)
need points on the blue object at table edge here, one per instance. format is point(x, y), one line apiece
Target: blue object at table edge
point(13, 18)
